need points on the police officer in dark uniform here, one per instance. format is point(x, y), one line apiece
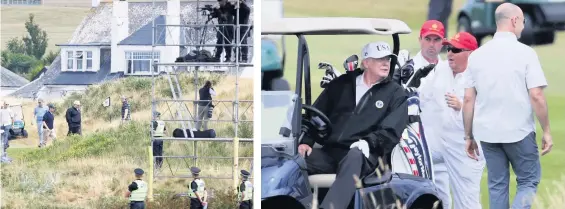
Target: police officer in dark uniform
point(137, 191)
point(159, 129)
point(196, 190)
point(245, 191)
point(224, 35)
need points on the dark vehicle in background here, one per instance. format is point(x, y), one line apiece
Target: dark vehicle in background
point(543, 19)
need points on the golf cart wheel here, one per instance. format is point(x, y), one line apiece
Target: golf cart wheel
point(24, 133)
point(528, 36)
point(12, 134)
point(545, 37)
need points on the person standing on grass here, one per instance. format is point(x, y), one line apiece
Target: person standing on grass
point(504, 90)
point(38, 113)
point(48, 125)
point(206, 93)
point(6, 121)
point(73, 117)
point(126, 113)
point(137, 191)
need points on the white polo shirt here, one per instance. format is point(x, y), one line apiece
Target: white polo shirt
point(430, 114)
point(502, 71)
point(6, 116)
point(361, 87)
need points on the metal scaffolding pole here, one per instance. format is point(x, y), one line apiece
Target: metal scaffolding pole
point(173, 69)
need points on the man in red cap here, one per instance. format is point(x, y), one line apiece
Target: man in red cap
point(446, 89)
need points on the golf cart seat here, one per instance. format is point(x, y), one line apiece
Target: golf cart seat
point(326, 180)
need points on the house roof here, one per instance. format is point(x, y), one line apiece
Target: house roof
point(11, 79)
point(94, 28)
point(87, 78)
point(42, 71)
point(144, 35)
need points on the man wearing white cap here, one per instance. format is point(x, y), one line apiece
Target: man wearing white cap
point(368, 112)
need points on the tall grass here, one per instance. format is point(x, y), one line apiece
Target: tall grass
point(93, 170)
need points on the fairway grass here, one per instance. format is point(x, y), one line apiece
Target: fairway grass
point(59, 22)
point(335, 49)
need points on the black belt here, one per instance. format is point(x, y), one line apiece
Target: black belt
point(136, 201)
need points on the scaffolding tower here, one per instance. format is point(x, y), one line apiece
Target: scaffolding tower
point(192, 36)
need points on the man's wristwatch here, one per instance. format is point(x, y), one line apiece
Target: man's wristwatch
point(469, 137)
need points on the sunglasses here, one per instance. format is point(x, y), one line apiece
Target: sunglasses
point(455, 50)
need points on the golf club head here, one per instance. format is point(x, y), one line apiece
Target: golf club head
point(403, 56)
point(350, 64)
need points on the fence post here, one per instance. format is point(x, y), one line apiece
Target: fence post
point(150, 180)
point(235, 162)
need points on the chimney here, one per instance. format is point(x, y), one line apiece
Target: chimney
point(120, 31)
point(95, 3)
point(173, 32)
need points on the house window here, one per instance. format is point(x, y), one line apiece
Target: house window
point(89, 60)
point(70, 60)
point(79, 60)
point(141, 61)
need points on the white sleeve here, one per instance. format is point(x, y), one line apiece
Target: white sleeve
point(212, 92)
point(469, 82)
point(534, 73)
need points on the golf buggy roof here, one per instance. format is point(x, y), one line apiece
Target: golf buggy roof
point(333, 26)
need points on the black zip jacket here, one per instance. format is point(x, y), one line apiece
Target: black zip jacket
point(380, 127)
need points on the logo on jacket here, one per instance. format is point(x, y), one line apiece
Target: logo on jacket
point(379, 104)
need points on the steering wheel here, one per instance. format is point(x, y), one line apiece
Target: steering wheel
point(316, 124)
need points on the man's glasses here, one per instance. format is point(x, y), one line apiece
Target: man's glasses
point(455, 50)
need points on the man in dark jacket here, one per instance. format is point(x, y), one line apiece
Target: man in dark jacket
point(224, 34)
point(369, 113)
point(74, 119)
point(205, 93)
point(244, 32)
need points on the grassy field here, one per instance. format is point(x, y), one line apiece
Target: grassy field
point(59, 22)
point(93, 171)
point(335, 49)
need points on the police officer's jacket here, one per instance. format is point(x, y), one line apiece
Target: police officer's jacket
point(138, 190)
point(245, 188)
point(380, 117)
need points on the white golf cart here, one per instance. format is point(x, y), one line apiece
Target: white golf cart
point(285, 182)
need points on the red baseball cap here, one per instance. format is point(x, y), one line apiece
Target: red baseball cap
point(463, 40)
point(432, 27)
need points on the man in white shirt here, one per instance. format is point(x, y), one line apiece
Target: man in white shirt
point(6, 121)
point(505, 82)
point(446, 90)
point(431, 40)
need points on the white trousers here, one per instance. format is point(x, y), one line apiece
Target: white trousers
point(454, 170)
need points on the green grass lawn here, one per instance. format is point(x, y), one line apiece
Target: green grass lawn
point(59, 22)
point(335, 49)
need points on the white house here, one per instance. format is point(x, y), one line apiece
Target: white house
point(116, 40)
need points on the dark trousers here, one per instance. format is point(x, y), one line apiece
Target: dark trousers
point(224, 35)
point(244, 50)
point(158, 151)
point(523, 155)
point(74, 130)
point(440, 10)
point(137, 205)
point(195, 204)
point(246, 205)
point(345, 163)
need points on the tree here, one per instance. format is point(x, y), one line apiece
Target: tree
point(36, 40)
point(16, 45)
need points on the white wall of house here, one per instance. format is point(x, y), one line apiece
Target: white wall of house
point(136, 60)
point(120, 31)
point(173, 32)
point(5, 91)
point(80, 58)
point(56, 92)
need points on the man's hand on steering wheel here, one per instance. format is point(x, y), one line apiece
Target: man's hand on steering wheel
point(316, 126)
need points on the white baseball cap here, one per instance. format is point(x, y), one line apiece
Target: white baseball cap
point(377, 50)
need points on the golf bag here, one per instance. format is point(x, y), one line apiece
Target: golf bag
point(210, 133)
point(412, 154)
